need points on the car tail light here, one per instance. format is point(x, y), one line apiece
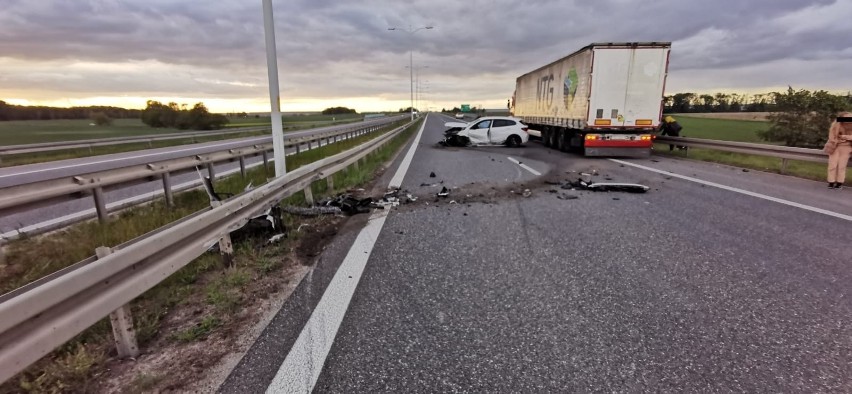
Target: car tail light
point(525, 128)
point(645, 137)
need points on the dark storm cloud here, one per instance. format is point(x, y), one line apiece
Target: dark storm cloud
point(335, 49)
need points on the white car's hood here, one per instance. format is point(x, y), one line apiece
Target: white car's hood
point(455, 124)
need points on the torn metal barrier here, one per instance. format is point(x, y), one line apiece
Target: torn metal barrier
point(583, 184)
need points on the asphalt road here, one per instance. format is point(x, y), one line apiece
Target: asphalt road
point(24, 220)
point(690, 287)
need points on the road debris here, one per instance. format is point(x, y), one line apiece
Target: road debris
point(431, 175)
point(567, 197)
point(586, 184)
point(526, 193)
point(444, 192)
point(312, 211)
point(267, 224)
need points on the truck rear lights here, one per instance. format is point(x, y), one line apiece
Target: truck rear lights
point(603, 122)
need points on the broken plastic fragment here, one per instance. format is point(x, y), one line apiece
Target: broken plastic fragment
point(431, 175)
point(444, 192)
point(526, 193)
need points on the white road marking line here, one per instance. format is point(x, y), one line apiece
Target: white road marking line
point(741, 191)
point(121, 159)
point(302, 366)
point(396, 181)
point(526, 167)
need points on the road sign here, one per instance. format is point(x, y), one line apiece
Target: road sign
point(465, 107)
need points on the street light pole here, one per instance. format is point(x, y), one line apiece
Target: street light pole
point(274, 98)
point(411, 32)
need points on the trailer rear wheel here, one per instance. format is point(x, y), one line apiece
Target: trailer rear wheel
point(545, 137)
point(562, 141)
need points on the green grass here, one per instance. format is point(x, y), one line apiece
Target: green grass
point(16, 132)
point(200, 330)
point(722, 129)
point(802, 169)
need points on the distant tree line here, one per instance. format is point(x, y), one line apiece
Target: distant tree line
point(726, 102)
point(457, 109)
point(157, 114)
point(26, 112)
point(798, 118)
point(338, 111)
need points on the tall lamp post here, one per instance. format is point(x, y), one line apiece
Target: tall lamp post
point(274, 98)
point(417, 84)
point(411, 31)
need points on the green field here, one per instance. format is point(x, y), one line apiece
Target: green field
point(18, 132)
point(741, 131)
point(722, 129)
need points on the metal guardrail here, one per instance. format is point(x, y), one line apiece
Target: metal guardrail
point(23, 195)
point(784, 153)
point(39, 317)
point(91, 143)
point(63, 145)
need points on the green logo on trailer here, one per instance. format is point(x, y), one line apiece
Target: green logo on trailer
point(465, 107)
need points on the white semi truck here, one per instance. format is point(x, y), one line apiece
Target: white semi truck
point(604, 100)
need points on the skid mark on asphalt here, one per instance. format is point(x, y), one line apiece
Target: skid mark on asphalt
point(524, 166)
point(302, 366)
point(737, 190)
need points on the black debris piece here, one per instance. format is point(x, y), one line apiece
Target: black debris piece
point(553, 191)
point(549, 182)
point(582, 184)
point(268, 225)
point(464, 214)
point(567, 197)
point(745, 170)
point(312, 211)
point(616, 198)
point(431, 175)
point(653, 160)
point(444, 192)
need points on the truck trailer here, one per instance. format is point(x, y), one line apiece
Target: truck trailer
point(606, 99)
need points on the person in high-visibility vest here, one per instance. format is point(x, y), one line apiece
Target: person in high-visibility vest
point(839, 148)
point(671, 127)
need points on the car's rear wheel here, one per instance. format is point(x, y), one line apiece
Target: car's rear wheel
point(513, 141)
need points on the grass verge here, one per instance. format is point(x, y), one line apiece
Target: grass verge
point(203, 301)
point(798, 168)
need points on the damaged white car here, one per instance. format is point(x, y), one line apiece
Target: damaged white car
point(491, 130)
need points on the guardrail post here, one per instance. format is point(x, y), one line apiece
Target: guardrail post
point(298, 148)
point(243, 166)
point(226, 247)
point(100, 204)
point(309, 144)
point(266, 161)
point(330, 181)
point(167, 189)
point(309, 195)
point(122, 322)
point(784, 163)
point(211, 172)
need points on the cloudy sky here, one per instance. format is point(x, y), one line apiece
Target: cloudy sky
point(124, 52)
